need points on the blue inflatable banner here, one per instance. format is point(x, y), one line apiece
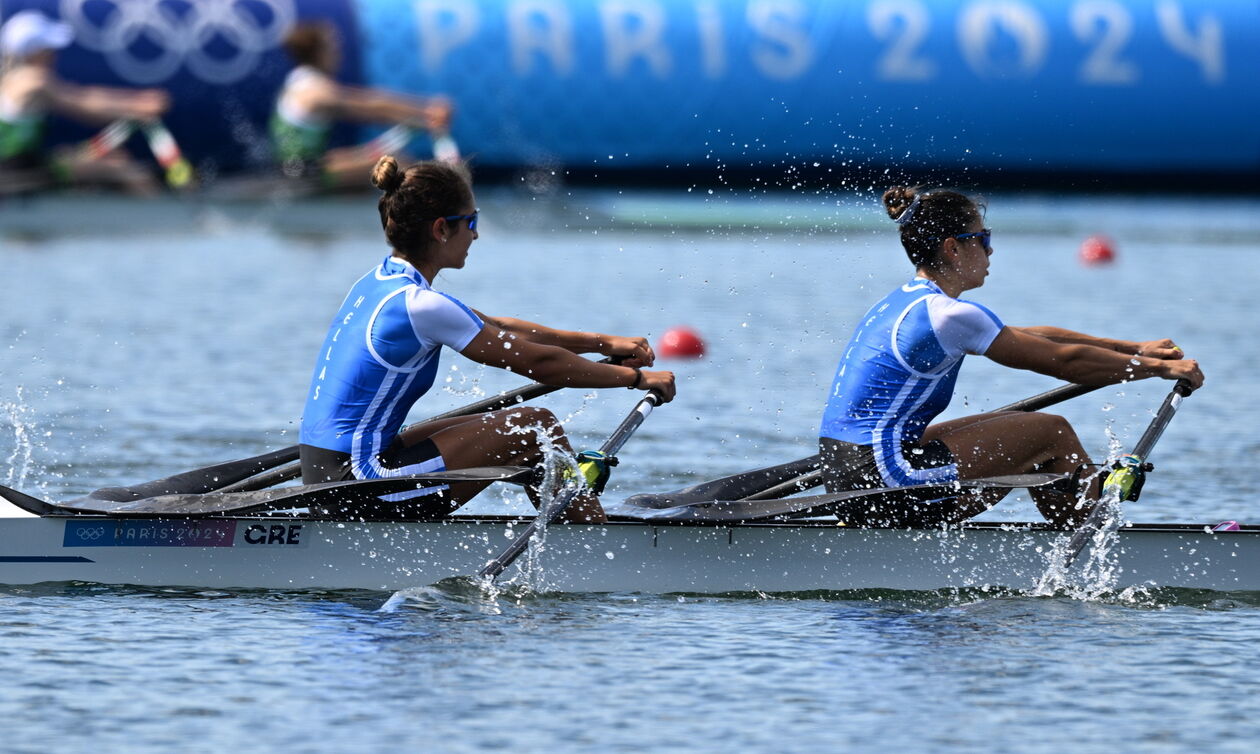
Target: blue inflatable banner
point(1119, 86)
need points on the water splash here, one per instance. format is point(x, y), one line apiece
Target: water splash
point(1095, 572)
point(21, 459)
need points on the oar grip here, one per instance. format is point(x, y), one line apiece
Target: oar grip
point(1183, 388)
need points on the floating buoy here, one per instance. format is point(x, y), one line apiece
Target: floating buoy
point(680, 343)
point(1097, 250)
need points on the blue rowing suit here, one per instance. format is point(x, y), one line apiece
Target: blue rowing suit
point(898, 372)
point(379, 358)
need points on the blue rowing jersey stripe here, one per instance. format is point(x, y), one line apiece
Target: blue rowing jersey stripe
point(897, 372)
point(379, 357)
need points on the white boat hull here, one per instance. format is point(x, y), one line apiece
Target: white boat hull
point(283, 553)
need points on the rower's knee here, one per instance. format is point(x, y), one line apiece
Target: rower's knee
point(1059, 434)
point(538, 424)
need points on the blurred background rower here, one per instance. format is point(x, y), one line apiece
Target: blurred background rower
point(30, 91)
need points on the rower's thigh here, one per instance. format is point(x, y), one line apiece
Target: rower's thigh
point(1009, 442)
point(511, 436)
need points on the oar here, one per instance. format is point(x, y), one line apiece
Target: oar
point(1049, 398)
point(813, 478)
point(1125, 481)
point(178, 172)
point(550, 513)
point(247, 474)
point(107, 140)
point(113, 135)
point(739, 511)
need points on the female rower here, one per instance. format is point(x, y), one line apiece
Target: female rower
point(381, 356)
point(898, 371)
point(30, 91)
point(312, 101)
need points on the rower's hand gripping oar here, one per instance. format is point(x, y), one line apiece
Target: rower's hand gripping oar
point(1126, 479)
point(593, 467)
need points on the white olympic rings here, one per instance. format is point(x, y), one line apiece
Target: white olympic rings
point(146, 41)
point(91, 534)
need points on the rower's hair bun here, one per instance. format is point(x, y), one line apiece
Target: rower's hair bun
point(386, 176)
point(898, 199)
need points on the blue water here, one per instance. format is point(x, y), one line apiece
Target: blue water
point(148, 339)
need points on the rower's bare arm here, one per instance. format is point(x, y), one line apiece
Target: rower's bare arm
point(97, 104)
point(376, 106)
point(1163, 348)
point(1082, 363)
point(553, 365)
point(635, 351)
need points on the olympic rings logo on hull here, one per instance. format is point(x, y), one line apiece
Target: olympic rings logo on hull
point(147, 41)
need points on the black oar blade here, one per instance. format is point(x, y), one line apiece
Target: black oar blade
point(854, 505)
point(199, 480)
point(730, 487)
point(342, 496)
point(26, 502)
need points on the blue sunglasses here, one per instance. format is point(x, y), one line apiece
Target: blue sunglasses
point(472, 219)
point(985, 236)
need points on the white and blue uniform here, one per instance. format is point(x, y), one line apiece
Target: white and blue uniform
point(380, 356)
point(898, 372)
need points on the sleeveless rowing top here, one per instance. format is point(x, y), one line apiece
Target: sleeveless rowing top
point(898, 370)
point(297, 134)
point(379, 357)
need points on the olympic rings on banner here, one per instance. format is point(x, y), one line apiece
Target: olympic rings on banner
point(191, 33)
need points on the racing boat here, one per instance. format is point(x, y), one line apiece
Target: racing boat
point(229, 526)
point(625, 555)
point(688, 540)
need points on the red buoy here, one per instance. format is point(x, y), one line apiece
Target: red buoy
point(680, 343)
point(1097, 250)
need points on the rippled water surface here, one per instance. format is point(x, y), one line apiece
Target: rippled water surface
point(141, 340)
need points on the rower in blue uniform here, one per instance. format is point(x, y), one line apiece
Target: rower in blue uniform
point(382, 349)
point(897, 374)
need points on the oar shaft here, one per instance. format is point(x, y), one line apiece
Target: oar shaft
point(1050, 397)
point(553, 512)
point(630, 424)
point(1164, 415)
point(1104, 516)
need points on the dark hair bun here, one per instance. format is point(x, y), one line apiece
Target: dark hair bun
point(386, 176)
point(897, 199)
